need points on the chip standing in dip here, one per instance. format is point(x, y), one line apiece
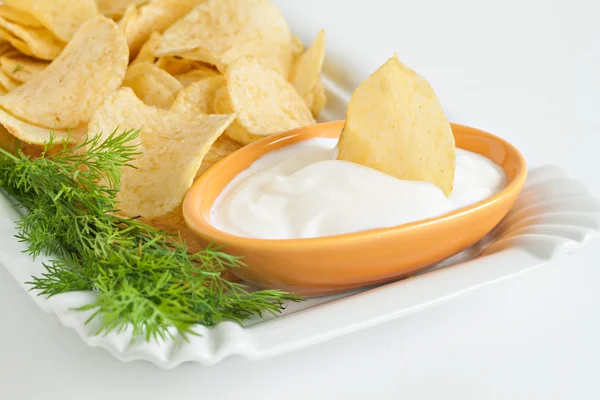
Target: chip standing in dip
point(304, 191)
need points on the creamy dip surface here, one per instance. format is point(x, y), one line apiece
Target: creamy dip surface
point(303, 191)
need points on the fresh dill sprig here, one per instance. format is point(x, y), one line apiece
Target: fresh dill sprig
point(145, 278)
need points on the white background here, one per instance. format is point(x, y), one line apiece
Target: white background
point(526, 70)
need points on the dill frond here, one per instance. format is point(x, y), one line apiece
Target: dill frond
point(143, 277)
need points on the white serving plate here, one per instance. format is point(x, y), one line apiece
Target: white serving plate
point(554, 215)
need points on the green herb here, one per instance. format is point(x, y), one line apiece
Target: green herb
point(143, 277)
point(18, 68)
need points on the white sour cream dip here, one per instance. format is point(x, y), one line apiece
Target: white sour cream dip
point(303, 191)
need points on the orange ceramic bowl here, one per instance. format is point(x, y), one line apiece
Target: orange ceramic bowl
point(332, 264)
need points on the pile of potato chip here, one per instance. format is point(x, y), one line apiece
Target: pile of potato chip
point(200, 78)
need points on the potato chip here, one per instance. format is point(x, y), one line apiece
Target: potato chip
point(146, 53)
point(11, 144)
point(223, 147)
point(396, 124)
point(196, 75)
point(297, 46)
point(36, 42)
point(172, 146)
point(317, 98)
point(307, 70)
point(19, 17)
point(116, 8)
point(129, 14)
point(263, 101)
point(34, 134)
point(177, 66)
point(7, 141)
point(152, 85)
point(21, 68)
point(67, 92)
point(139, 22)
point(174, 221)
point(7, 82)
point(7, 48)
point(220, 32)
point(199, 97)
point(62, 17)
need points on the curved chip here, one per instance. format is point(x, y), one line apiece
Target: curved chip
point(396, 124)
point(297, 47)
point(172, 146)
point(152, 85)
point(61, 17)
point(7, 82)
point(140, 21)
point(7, 49)
point(307, 72)
point(8, 142)
point(223, 147)
point(174, 221)
point(19, 17)
point(66, 93)
point(36, 42)
point(220, 32)
point(177, 66)
point(196, 75)
point(21, 68)
point(317, 98)
point(199, 97)
point(146, 53)
point(13, 145)
point(116, 8)
point(33, 134)
point(263, 101)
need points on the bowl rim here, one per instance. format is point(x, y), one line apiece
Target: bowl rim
point(203, 227)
